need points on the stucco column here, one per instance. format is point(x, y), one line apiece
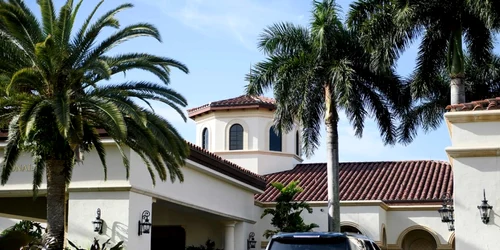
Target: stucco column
point(241, 233)
point(229, 236)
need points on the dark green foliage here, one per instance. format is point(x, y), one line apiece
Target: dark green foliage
point(286, 214)
point(32, 229)
point(55, 97)
point(209, 245)
point(318, 71)
point(457, 38)
point(20, 240)
point(482, 81)
point(14, 240)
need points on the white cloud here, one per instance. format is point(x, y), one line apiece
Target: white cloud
point(242, 20)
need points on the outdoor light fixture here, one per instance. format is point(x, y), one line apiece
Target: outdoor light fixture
point(446, 211)
point(98, 222)
point(251, 241)
point(144, 223)
point(485, 209)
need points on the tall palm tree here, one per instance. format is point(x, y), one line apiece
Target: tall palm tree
point(54, 97)
point(318, 71)
point(390, 26)
point(481, 81)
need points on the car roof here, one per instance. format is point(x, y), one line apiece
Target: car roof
point(309, 235)
point(359, 236)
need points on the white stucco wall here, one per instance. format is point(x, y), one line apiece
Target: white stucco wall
point(399, 221)
point(261, 162)
point(472, 175)
point(120, 211)
point(122, 201)
point(255, 155)
point(203, 189)
point(475, 160)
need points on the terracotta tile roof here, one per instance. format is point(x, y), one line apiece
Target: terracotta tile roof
point(240, 102)
point(391, 182)
point(226, 167)
point(487, 104)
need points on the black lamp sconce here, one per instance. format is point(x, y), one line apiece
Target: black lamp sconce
point(144, 223)
point(98, 222)
point(251, 241)
point(485, 209)
point(447, 211)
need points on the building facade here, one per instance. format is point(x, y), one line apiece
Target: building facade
point(474, 154)
point(236, 156)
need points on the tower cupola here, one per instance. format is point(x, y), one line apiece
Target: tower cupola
point(241, 130)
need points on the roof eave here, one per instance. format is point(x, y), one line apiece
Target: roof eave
point(201, 111)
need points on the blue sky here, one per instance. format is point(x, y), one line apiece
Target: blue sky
point(217, 41)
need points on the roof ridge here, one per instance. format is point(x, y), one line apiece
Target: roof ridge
point(376, 161)
point(239, 102)
point(485, 104)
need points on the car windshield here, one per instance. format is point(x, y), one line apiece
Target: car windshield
point(309, 244)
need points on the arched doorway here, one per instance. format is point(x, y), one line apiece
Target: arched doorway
point(419, 239)
point(384, 239)
point(349, 229)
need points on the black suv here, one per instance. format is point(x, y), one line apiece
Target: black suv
point(321, 241)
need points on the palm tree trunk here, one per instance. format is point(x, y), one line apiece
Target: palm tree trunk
point(457, 90)
point(457, 69)
point(332, 163)
point(56, 195)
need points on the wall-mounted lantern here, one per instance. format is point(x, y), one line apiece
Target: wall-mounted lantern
point(485, 209)
point(98, 222)
point(144, 223)
point(447, 211)
point(251, 241)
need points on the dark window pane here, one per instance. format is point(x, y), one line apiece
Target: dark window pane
point(236, 137)
point(274, 140)
point(297, 143)
point(204, 139)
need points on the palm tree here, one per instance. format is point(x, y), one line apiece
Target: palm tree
point(315, 73)
point(54, 98)
point(390, 26)
point(481, 81)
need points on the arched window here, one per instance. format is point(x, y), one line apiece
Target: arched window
point(274, 140)
point(297, 143)
point(204, 139)
point(236, 137)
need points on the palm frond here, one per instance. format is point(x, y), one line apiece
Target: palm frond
point(38, 172)
point(12, 150)
point(49, 17)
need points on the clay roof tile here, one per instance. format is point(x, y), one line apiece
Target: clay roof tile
point(421, 181)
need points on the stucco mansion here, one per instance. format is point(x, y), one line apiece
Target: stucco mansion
point(237, 155)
